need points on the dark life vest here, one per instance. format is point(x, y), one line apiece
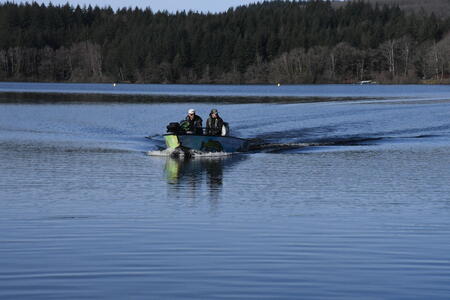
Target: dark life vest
point(195, 125)
point(214, 126)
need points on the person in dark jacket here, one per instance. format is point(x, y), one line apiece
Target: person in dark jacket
point(193, 123)
point(214, 123)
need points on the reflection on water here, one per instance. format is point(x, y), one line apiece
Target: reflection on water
point(191, 171)
point(185, 174)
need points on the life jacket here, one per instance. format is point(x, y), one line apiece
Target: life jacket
point(214, 126)
point(194, 125)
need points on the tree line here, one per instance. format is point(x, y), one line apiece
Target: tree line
point(440, 8)
point(269, 42)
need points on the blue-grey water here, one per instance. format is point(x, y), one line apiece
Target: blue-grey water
point(340, 200)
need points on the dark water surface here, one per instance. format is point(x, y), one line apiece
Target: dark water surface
point(342, 200)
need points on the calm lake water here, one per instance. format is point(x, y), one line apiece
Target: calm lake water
point(342, 200)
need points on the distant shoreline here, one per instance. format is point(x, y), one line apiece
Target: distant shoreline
point(19, 92)
point(420, 82)
point(44, 97)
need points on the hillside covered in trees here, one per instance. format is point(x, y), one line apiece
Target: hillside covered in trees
point(440, 8)
point(270, 42)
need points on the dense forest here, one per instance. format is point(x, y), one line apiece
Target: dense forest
point(270, 42)
point(440, 8)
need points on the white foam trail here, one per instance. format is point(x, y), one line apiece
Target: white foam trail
point(166, 152)
point(190, 153)
point(209, 154)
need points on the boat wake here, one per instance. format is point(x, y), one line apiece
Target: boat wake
point(276, 147)
point(187, 153)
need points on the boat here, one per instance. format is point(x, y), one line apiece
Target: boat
point(176, 138)
point(206, 143)
point(367, 82)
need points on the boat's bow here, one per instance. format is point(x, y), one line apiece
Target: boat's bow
point(207, 143)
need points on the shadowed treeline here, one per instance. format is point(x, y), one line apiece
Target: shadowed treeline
point(278, 41)
point(440, 8)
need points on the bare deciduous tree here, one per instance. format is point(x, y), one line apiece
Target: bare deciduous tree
point(389, 50)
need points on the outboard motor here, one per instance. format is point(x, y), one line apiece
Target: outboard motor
point(174, 128)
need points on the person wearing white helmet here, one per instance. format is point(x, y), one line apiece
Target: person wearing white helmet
point(193, 123)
